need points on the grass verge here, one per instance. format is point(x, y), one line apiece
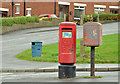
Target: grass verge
point(93, 77)
point(107, 53)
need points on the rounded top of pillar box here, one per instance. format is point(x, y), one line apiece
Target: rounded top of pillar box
point(67, 24)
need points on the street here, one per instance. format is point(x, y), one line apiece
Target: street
point(16, 42)
point(59, 41)
point(53, 77)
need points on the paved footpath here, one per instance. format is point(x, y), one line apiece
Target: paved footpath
point(16, 42)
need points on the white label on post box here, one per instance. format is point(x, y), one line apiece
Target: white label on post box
point(66, 34)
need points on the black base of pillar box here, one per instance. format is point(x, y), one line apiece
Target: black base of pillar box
point(67, 71)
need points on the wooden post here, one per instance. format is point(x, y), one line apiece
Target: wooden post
point(98, 18)
point(81, 19)
point(92, 60)
point(82, 49)
point(64, 17)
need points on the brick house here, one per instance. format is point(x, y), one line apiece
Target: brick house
point(73, 10)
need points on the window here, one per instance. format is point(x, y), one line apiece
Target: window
point(45, 15)
point(79, 9)
point(76, 6)
point(17, 8)
point(114, 11)
point(97, 10)
point(53, 16)
point(79, 12)
point(40, 16)
point(28, 11)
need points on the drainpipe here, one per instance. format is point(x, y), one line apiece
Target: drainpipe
point(12, 8)
point(24, 7)
point(55, 7)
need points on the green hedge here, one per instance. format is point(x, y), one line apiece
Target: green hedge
point(50, 19)
point(19, 20)
point(108, 16)
point(102, 17)
point(9, 21)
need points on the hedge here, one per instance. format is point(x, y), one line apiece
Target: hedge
point(9, 21)
point(109, 17)
point(102, 17)
point(19, 20)
point(50, 19)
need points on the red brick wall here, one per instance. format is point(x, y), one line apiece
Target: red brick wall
point(21, 9)
point(37, 8)
point(48, 7)
point(57, 9)
point(107, 9)
point(89, 9)
point(9, 6)
point(41, 7)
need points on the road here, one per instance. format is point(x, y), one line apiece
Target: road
point(15, 42)
point(53, 77)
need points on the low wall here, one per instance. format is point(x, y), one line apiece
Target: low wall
point(7, 29)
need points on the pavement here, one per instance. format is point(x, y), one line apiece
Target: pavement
point(54, 68)
point(33, 77)
point(12, 64)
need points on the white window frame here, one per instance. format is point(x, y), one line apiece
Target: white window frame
point(99, 8)
point(79, 5)
point(28, 9)
point(115, 7)
point(4, 9)
point(17, 5)
point(63, 3)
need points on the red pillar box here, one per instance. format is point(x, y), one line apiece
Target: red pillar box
point(67, 42)
point(92, 32)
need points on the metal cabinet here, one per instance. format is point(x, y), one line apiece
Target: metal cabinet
point(36, 49)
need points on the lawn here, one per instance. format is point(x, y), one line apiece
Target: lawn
point(107, 53)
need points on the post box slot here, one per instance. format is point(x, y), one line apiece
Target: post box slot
point(66, 28)
point(33, 43)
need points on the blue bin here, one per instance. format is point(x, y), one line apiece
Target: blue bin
point(36, 48)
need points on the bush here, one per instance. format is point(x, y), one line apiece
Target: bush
point(95, 17)
point(108, 16)
point(102, 16)
point(19, 20)
point(50, 19)
point(47, 19)
point(9, 21)
point(88, 18)
point(30, 19)
point(36, 19)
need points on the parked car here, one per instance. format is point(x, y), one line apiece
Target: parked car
point(47, 16)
